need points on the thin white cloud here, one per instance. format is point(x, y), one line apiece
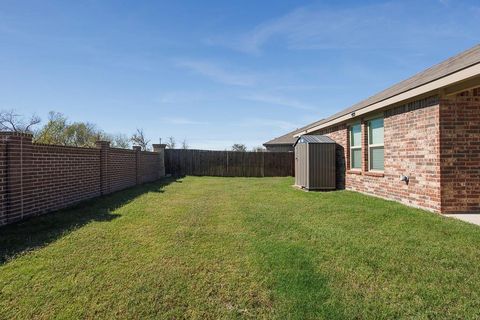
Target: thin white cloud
point(218, 73)
point(182, 121)
point(271, 123)
point(185, 97)
point(278, 100)
point(357, 27)
point(309, 28)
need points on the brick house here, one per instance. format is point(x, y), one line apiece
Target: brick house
point(426, 128)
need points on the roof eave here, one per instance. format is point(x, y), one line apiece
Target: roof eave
point(451, 79)
point(277, 144)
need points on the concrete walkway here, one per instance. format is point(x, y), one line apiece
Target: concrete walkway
point(468, 217)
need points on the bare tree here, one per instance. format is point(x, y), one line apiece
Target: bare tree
point(11, 121)
point(185, 144)
point(118, 140)
point(171, 143)
point(139, 139)
point(239, 147)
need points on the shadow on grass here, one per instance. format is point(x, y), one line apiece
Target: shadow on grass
point(303, 292)
point(41, 230)
point(300, 290)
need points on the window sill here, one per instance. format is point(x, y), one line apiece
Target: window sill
point(374, 174)
point(354, 171)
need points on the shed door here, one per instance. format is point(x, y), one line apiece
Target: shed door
point(297, 168)
point(300, 164)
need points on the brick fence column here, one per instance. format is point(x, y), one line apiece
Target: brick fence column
point(104, 147)
point(137, 150)
point(15, 185)
point(3, 179)
point(160, 148)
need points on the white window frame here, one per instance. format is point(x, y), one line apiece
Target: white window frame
point(359, 147)
point(375, 146)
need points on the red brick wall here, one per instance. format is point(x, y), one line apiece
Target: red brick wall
point(35, 178)
point(340, 135)
point(3, 179)
point(412, 148)
point(18, 176)
point(60, 176)
point(149, 166)
point(436, 142)
point(121, 169)
point(460, 152)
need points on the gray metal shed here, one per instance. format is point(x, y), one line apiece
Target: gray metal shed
point(315, 167)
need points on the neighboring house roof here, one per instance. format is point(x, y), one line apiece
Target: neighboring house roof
point(286, 139)
point(314, 139)
point(464, 65)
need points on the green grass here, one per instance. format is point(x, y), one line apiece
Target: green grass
point(205, 247)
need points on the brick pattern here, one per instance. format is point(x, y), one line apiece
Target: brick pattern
point(61, 176)
point(19, 183)
point(412, 148)
point(36, 179)
point(3, 179)
point(148, 166)
point(122, 169)
point(104, 147)
point(460, 152)
point(341, 136)
point(436, 142)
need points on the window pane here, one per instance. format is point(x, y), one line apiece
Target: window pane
point(376, 158)
point(376, 131)
point(355, 135)
point(356, 159)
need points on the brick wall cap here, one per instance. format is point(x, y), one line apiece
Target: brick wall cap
point(102, 143)
point(158, 147)
point(17, 134)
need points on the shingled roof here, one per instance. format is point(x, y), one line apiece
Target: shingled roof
point(286, 139)
point(289, 138)
point(452, 65)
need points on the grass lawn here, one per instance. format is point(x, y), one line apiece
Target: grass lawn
point(205, 247)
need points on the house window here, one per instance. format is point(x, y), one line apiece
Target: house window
point(356, 146)
point(375, 144)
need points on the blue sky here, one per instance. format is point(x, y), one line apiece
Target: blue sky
point(217, 72)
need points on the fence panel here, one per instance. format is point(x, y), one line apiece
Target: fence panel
point(229, 163)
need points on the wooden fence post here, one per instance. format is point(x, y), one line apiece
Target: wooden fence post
point(263, 164)
point(227, 164)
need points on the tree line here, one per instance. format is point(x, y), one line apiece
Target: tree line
point(59, 130)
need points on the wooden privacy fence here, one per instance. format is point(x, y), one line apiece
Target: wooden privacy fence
point(229, 163)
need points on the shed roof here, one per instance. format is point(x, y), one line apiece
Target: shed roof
point(452, 65)
point(314, 139)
